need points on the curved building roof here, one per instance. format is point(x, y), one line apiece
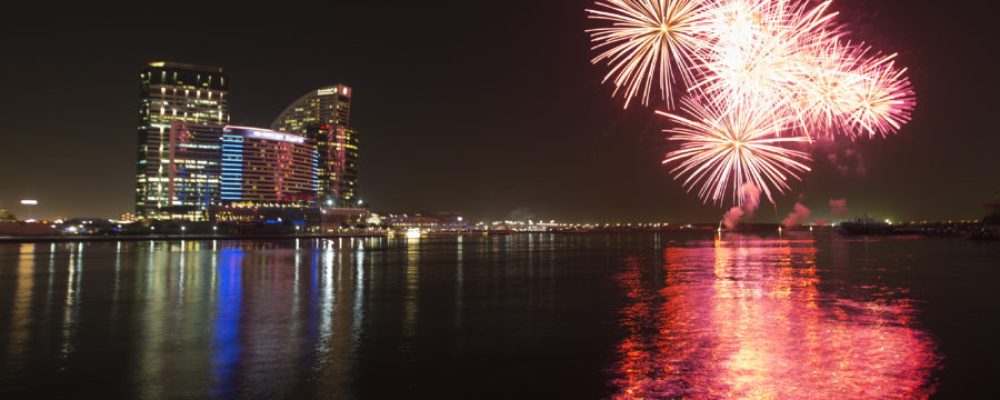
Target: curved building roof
point(329, 105)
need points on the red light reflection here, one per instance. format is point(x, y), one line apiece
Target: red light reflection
point(746, 319)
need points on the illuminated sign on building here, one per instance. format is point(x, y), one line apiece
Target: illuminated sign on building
point(278, 136)
point(344, 90)
point(258, 133)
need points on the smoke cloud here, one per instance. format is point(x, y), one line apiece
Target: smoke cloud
point(750, 195)
point(732, 217)
point(749, 201)
point(838, 207)
point(848, 161)
point(798, 215)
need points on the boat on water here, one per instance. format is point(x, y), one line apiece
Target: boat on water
point(866, 226)
point(989, 228)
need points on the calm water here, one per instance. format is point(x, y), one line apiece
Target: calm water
point(527, 316)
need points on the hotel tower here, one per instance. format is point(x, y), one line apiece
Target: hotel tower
point(323, 116)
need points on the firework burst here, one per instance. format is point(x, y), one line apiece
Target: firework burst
point(649, 42)
point(723, 150)
point(828, 89)
point(760, 77)
point(884, 100)
point(762, 49)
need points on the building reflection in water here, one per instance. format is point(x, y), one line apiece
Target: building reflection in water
point(411, 307)
point(226, 327)
point(746, 318)
point(228, 319)
point(21, 312)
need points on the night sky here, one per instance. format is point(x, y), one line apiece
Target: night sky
point(488, 108)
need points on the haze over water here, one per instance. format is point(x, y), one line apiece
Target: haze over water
point(524, 316)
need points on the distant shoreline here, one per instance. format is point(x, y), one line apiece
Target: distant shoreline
point(284, 237)
point(172, 238)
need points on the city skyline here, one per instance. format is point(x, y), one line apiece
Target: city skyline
point(515, 123)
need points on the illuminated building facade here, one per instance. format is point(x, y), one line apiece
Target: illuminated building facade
point(268, 177)
point(182, 111)
point(261, 167)
point(323, 116)
point(337, 147)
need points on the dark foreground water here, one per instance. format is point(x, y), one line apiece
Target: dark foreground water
point(507, 317)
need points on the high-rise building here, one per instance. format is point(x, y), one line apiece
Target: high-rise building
point(182, 110)
point(337, 147)
point(325, 106)
point(261, 167)
point(323, 115)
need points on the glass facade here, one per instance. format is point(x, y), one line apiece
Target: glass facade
point(323, 116)
point(182, 111)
